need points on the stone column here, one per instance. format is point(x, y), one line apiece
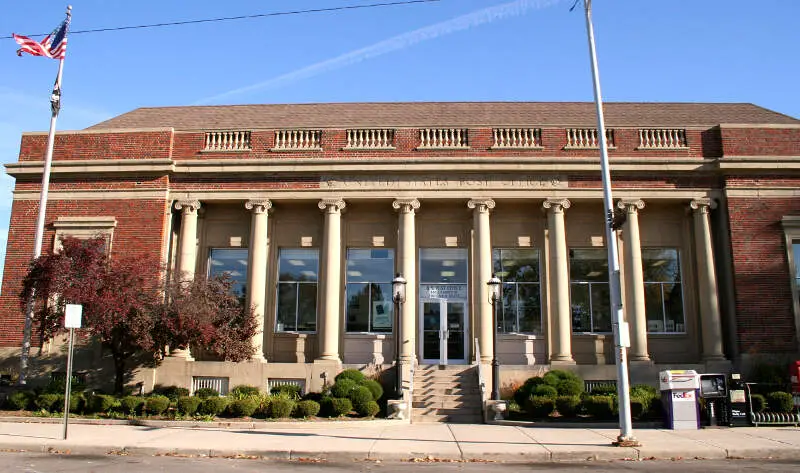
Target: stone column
point(634, 280)
point(407, 266)
point(483, 266)
point(257, 268)
point(331, 279)
point(187, 251)
point(559, 281)
point(710, 322)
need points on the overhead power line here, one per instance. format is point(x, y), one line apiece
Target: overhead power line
point(244, 17)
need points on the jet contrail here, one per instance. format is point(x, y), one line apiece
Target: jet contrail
point(396, 43)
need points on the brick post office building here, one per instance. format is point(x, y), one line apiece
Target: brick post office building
point(314, 208)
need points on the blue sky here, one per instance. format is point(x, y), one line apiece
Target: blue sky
point(452, 50)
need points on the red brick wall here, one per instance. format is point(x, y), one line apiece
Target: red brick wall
point(765, 315)
point(82, 145)
point(139, 232)
point(760, 141)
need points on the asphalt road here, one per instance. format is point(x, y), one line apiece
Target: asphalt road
point(50, 463)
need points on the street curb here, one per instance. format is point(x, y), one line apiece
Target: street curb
point(193, 424)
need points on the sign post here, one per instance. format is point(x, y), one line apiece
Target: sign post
point(72, 320)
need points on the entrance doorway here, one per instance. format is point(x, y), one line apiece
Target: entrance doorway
point(443, 331)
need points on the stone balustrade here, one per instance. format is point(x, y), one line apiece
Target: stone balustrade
point(662, 138)
point(517, 138)
point(298, 140)
point(587, 138)
point(444, 138)
point(370, 139)
point(227, 141)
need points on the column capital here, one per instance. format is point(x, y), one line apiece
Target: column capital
point(631, 206)
point(187, 205)
point(332, 205)
point(482, 205)
point(703, 206)
point(405, 205)
point(258, 206)
point(557, 205)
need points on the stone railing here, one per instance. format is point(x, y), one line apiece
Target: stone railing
point(227, 141)
point(587, 138)
point(298, 140)
point(517, 138)
point(443, 138)
point(662, 138)
point(370, 139)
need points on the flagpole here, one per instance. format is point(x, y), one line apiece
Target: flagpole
point(55, 107)
point(626, 438)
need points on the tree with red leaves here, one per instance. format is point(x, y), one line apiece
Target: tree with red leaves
point(125, 309)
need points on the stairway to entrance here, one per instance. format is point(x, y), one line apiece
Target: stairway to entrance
point(446, 393)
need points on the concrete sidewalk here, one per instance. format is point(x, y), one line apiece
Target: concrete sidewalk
point(397, 441)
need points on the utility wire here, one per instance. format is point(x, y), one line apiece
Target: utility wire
point(243, 17)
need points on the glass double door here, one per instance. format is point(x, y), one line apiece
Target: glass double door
point(443, 331)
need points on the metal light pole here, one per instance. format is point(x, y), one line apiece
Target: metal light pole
point(621, 335)
point(494, 296)
point(398, 296)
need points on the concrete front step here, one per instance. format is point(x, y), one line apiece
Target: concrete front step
point(437, 404)
point(452, 419)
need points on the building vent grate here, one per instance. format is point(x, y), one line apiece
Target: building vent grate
point(218, 384)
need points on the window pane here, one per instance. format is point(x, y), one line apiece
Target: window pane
point(796, 252)
point(530, 308)
point(307, 307)
point(507, 312)
point(601, 307)
point(661, 265)
point(370, 265)
point(580, 308)
point(588, 264)
point(673, 302)
point(443, 265)
point(298, 265)
point(357, 307)
point(287, 307)
point(654, 307)
point(230, 261)
point(382, 307)
point(516, 265)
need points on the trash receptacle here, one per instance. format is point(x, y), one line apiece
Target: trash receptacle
point(714, 390)
point(679, 396)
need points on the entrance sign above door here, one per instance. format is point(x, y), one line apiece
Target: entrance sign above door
point(443, 291)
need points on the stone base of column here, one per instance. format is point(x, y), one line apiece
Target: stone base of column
point(562, 360)
point(181, 353)
point(258, 358)
point(639, 359)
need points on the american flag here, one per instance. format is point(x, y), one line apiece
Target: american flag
point(53, 45)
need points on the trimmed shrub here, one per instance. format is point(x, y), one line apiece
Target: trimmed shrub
point(604, 390)
point(368, 409)
point(340, 406)
point(779, 401)
point(522, 394)
point(375, 387)
point(281, 407)
point(156, 405)
point(290, 390)
point(50, 402)
point(360, 395)
point(306, 408)
point(264, 400)
point(244, 407)
point(351, 374)
point(102, 403)
point(171, 392)
point(540, 406)
point(759, 402)
point(343, 387)
point(132, 405)
point(212, 406)
point(545, 390)
point(242, 391)
point(600, 407)
point(21, 400)
point(187, 405)
point(639, 407)
point(77, 402)
point(643, 390)
point(204, 393)
point(317, 397)
point(569, 387)
point(568, 406)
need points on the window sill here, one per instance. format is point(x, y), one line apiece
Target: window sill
point(368, 335)
point(297, 334)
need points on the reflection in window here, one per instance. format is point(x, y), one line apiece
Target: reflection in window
point(796, 254)
point(296, 309)
point(521, 308)
point(443, 265)
point(663, 294)
point(233, 263)
point(591, 306)
point(369, 290)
